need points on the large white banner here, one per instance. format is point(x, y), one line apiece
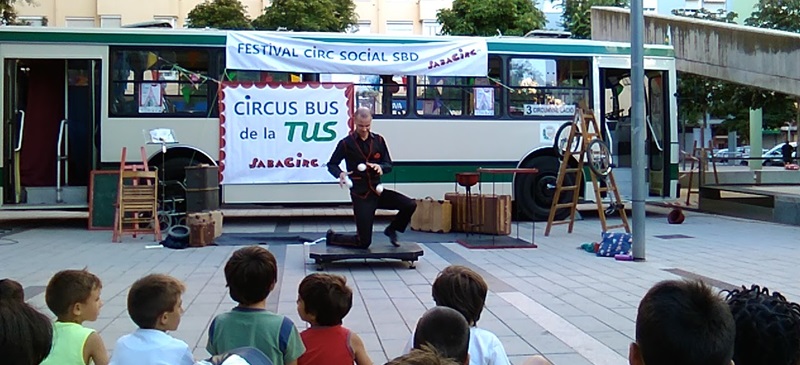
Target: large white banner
point(281, 133)
point(249, 50)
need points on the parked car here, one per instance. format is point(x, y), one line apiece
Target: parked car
point(774, 157)
point(736, 158)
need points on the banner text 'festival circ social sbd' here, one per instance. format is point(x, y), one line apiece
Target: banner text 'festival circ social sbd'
point(248, 50)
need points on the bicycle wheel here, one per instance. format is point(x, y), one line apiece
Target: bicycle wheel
point(164, 221)
point(599, 157)
point(562, 137)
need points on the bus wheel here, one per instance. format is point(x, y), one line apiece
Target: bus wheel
point(534, 192)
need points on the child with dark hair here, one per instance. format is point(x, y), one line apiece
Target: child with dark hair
point(251, 273)
point(323, 301)
point(682, 322)
point(74, 297)
point(767, 327)
point(26, 335)
point(445, 330)
point(464, 290)
point(12, 290)
point(155, 305)
point(425, 356)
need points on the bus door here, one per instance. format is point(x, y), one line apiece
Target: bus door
point(615, 111)
point(51, 112)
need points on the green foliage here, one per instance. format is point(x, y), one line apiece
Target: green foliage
point(577, 16)
point(698, 94)
point(722, 99)
point(487, 17)
point(308, 15)
point(220, 14)
point(9, 14)
point(780, 15)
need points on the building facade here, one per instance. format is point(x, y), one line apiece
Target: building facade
point(375, 16)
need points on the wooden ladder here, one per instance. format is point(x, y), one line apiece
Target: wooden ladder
point(584, 119)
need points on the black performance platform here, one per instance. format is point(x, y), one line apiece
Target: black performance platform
point(323, 254)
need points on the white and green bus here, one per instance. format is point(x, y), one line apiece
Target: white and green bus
point(72, 98)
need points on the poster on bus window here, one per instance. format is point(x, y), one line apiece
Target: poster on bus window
point(281, 133)
point(150, 99)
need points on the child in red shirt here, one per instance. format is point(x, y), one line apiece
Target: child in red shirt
point(323, 300)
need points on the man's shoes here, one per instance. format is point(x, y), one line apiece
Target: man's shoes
point(329, 236)
point(392, 234)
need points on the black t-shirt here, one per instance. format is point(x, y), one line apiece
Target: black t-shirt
point(786, 150)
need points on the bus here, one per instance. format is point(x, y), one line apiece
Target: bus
point(73, 98)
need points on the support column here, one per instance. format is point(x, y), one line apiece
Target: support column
point(756, 127)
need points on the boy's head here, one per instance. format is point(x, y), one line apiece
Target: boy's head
point(251, 273)
point(767, 327)
point(324, 299)
point(426, 356)
point(682, 322)
point(154, 302)
point(445, 330)
point(11, 290)
point(462, 289)
point(74, 295)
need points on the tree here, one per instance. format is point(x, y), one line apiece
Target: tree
point(488, 17)
point(577, 15)
point(220, 14)
point(308, 15)
point(9, 14)
point(699, 94)
point(733, 101)
point(780, 15)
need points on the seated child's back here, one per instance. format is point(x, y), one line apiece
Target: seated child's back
point(251, 273)
point(155, 305)
point(323, 301)
point(74, 297)
point(464, 290)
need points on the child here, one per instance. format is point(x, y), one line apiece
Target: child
point(464, 290)
point(682, 322)
point(155, 305)
point(12, 290)
point(323, 300)
point(426, 356)
point(74, 297)
point(26, 336)
point(445, 330)
point(767, 327)
point(251, 273)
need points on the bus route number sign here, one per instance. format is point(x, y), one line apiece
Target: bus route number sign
point(549, 109)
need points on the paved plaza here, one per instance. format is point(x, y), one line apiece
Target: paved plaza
point(556, 300)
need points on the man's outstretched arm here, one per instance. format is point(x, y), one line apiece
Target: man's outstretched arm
point(336, 159)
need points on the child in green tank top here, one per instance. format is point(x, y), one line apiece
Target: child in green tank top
point(74, 297)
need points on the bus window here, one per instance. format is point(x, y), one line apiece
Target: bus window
point(542, 87)
point(460, 96)
point(376, 91)
point(158, 82)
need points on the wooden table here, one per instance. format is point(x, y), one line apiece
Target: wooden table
point(497, 171)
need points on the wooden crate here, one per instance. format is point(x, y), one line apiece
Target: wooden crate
point(491, 214)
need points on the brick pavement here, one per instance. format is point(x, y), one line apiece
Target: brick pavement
point(556, 300)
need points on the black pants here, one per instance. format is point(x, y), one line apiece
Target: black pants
point(364, 211)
